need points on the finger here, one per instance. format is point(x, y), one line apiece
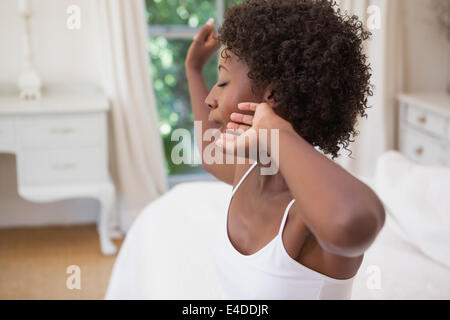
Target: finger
point(212, 41)
point(243, 118)
point(232, 125)
point(205, 30)
point(248, 106)
point(237, 126)
point(234, 132)
point(212, 36)
point(210, 22)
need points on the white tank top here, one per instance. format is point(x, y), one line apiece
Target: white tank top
point(270, 273)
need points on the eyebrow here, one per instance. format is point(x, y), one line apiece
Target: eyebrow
point(221, 66)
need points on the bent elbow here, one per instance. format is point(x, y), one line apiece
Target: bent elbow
point(356, 234)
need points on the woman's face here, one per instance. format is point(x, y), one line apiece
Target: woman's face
point(233, 87)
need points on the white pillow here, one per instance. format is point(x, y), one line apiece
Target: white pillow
point(417, 198)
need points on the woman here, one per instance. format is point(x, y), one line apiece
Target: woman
point(295, 66)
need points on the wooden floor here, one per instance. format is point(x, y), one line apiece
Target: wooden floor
point(34, 262)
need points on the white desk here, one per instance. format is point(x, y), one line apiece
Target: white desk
point(61, 149)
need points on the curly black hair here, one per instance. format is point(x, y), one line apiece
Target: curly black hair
point(312, 54)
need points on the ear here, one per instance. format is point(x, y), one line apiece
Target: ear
point(268, 96)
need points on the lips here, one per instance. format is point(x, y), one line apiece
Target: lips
point(211, 118)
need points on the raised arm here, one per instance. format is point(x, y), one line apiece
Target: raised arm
point(202, 49)
point(344, 214)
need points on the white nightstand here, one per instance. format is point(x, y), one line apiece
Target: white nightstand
point(424, 128)
point(61, 148)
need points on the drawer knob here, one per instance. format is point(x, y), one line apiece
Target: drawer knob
point(419, 151)
point(61, 130)
point(63, 166)
point(422, 119)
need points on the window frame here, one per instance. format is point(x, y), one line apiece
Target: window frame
point(183, 32)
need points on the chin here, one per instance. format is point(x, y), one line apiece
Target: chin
point(220, 125)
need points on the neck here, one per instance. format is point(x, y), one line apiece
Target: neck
point(270, 184)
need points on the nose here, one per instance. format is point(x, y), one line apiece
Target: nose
point(211, 102)
point(211, 105)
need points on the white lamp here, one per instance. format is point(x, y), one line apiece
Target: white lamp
point(29, 82)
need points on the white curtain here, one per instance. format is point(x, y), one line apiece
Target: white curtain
point(378, 133)
point(136, 150)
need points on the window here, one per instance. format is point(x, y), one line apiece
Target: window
point(172, 24)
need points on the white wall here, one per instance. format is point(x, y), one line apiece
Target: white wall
point(61, 56)
point(426, 49)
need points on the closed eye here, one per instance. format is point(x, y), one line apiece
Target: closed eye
point(222, 85)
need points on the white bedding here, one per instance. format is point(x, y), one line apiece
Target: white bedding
point(167, 254)
point(419, 197)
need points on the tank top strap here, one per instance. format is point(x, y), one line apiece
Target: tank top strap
point(286, 212)
point(243, 178)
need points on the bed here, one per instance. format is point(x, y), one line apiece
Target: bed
point(167, 253)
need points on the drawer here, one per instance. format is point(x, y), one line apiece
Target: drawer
point(427, 121)
point(53, 131)
point(6, 133)
point(422, 149)
point(62, 165)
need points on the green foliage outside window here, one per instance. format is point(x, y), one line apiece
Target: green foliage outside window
point(168, 72)
point(193, 13)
